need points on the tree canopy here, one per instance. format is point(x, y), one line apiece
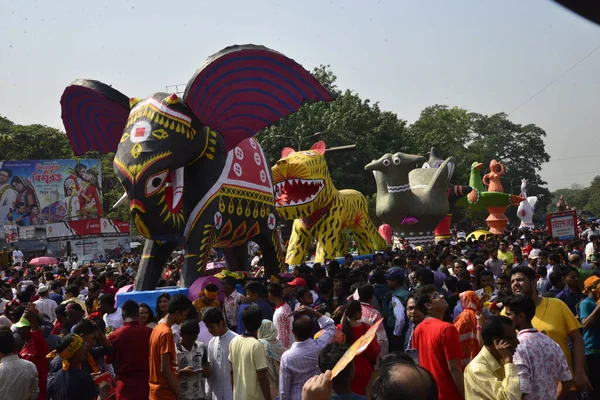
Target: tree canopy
point(350, 119)
point(586, 200)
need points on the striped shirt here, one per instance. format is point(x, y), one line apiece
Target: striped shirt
point(300, 362)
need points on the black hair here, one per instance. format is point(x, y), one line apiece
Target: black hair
point(425, 276)
point(423, 296)
point(73, 290)
point(211, 287)
point(555, 278)
point(55, 285)
point(396, 383)
point(525, 270)
point(570, 269)
point(61, 310)
point(130, 309)
point(252, 317)
point(352, 307)
point(107, 298)
point(365, 293)
point(7, 341)
point(319, 271)
point(85, 327)
point(228, 280)
point(301, 292)
point(542, 271)
point(254, 287)
point(159, 313)
point(179, 303)
point(377, 276)
point(275, 290)
point(151, 317)
point(325, 285)
point(493, 328)
point(520, 303)
point(190, 327)
point(212, 315)
point(451, 283)
point(555, 257)
point(328, 358)
point(64, 342)
point(504, 277)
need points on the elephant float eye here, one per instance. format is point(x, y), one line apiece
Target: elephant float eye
point(397, 161)
point(386, 163)
point(155, 182)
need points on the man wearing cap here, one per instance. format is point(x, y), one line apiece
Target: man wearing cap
point(396, 314)
point(534, 256)
point(45, 305)
point(35, 348)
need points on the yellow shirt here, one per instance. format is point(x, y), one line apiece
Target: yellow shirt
point(508, 256)
point(248, 357)
point(485, 379)
point(200, 304)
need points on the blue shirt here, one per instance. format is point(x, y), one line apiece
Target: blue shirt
point(56, 297)
point(591, 336)
point(571, 298)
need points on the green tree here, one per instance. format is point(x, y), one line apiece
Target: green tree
point(470, 137)
point(586, 200)
point(347, 120)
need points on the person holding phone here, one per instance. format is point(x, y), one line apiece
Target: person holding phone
point(192, 362)
point(491, 374)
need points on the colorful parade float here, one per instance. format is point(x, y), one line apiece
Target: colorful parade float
point(192, 172)
point(305, 193)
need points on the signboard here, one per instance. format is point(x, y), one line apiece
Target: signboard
point(563, 225)
point(86, 228)
point(38, 192)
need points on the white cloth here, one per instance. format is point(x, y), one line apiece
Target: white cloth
point(114, 320)
point(589, 250)
point(400, 315)
point(219, 382)
point(18, 379)
point(17, 256)
point(46, 306)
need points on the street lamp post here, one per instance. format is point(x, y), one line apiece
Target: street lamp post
point(299, 139)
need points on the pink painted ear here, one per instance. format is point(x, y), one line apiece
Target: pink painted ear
point(319, 147)
point(286, 151)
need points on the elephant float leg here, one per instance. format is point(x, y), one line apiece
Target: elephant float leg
point(271, 247)
point(155, 257)
point(298, 244)
point(237, 258)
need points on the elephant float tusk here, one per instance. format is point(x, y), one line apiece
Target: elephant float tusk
point(123, 200)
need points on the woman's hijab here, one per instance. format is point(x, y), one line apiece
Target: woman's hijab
point(267, 335)
point(466, 325)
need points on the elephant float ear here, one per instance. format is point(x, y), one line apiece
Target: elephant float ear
point(94, 115)
point(241, 90)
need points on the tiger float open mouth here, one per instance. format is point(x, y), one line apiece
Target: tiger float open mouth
point(293, 192)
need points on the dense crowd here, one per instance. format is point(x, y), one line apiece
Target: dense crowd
point(498, 318)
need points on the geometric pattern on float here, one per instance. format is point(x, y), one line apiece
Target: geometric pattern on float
point(305, 193)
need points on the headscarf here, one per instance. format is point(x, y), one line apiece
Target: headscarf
point(267, 335)
point(591, 285)
point(69, 351)
point(466, 325)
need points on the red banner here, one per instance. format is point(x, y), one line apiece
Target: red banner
point(86, 228)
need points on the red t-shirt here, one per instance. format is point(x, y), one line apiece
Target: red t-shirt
point(437, 342)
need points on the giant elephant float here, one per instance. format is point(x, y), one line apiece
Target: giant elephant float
point(191, 171)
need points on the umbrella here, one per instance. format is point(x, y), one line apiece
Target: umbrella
point(43, 261)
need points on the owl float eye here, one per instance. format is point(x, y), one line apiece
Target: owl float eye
point(386, 162)
point(155, 182)
point(397, 161)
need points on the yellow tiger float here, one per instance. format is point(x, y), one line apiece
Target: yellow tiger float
point(304, 193)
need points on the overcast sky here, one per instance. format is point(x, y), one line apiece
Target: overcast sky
point(487, 57)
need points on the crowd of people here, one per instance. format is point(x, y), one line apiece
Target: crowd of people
point(512, 317)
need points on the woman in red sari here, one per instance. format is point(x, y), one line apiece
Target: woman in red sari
point(364, 363)
point(466, 325)
point(91, 205)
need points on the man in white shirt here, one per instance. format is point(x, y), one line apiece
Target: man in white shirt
point(113, 319)
point(18, 378)
point(589, 248)
point(219, 382)
point(17, 256)
point(45, 305)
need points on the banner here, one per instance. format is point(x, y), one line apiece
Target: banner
point(563, 225)
point(86, 228)
point(39, 192)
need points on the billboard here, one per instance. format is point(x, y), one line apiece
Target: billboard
point(86, 228)
point(40, 192)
